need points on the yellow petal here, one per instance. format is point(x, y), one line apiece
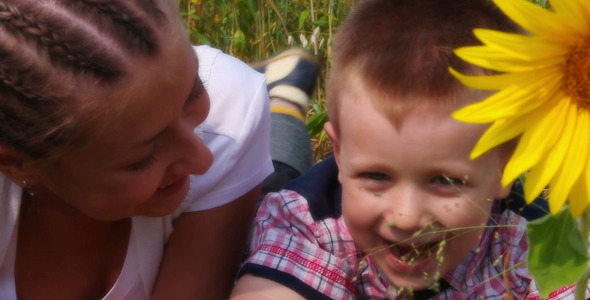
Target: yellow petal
point(497, 82)
point(527, 48)
point(494, 59)
point(579, 197)
point(535, 141)
point(501, 81)
point(540, 175)
point(573, 12)
point(573, 164)
point(502, 131)
point(538, 20)
point(513, 100)
point(580, 193)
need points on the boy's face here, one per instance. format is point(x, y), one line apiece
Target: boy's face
point(411, 191)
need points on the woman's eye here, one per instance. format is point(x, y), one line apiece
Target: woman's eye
point(196, 94)
point(445, 180)
point(145, 163)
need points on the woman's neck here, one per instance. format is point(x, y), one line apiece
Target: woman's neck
point(85, 254)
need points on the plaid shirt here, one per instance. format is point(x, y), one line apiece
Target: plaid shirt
point(319, 256)
point(302, 242)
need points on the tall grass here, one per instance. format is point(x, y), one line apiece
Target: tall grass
point(255, 29)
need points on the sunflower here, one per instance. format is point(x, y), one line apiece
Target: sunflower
point(543, 97)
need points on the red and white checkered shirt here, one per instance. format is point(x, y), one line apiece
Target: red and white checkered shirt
point(318, 258)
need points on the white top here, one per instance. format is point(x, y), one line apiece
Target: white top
point(237, 131)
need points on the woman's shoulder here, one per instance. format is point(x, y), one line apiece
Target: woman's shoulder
point(216, 65)
point(238, 95)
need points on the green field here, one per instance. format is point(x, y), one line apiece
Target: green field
point(254, 29)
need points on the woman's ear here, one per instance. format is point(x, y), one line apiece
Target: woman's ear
point(16, 165)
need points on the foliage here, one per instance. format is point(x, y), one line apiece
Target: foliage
point(255, 29)
point(560, 253)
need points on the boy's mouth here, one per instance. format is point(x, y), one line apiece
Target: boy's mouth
point(414, 256)
point(414, 252)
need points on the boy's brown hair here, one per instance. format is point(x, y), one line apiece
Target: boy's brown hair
point(405, 47)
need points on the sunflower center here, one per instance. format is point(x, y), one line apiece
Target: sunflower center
point(577, 74)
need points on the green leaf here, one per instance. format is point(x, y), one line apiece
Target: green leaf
point(322, 21)
point(558, 254)
point(239, 40)
point(302, 17)
point(315, 123)
point(200, 37)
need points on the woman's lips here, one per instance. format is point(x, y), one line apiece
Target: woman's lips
point(172, 187)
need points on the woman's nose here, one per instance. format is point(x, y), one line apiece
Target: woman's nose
point(200, 158)
point(190, 153)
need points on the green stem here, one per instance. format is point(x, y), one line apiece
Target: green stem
point(583, 281)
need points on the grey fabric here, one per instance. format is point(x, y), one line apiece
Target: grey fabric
point(290, 143)
point(282, 175)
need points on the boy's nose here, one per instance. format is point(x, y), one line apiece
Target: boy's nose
point(407, 210)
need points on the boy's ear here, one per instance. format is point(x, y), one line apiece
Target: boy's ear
point(331, 132)
point(506, 151)
point(503, 192)
point(16, 165)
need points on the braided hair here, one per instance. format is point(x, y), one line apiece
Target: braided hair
point(48, 47)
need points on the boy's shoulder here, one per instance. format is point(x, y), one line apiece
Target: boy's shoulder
point(321, 188)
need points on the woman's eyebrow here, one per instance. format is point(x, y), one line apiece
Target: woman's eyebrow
point(197, 90)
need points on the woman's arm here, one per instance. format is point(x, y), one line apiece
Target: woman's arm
point(204, 251)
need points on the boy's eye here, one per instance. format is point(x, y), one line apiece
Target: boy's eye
point(445, 180)
point(376, 176)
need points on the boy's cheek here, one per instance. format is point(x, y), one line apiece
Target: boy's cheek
point(357, 211)
point(466, 211)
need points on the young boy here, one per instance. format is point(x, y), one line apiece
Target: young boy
point(406, 213)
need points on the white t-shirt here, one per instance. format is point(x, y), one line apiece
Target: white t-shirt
point(237, 131)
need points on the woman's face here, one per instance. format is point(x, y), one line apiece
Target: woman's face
point(139, 164)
